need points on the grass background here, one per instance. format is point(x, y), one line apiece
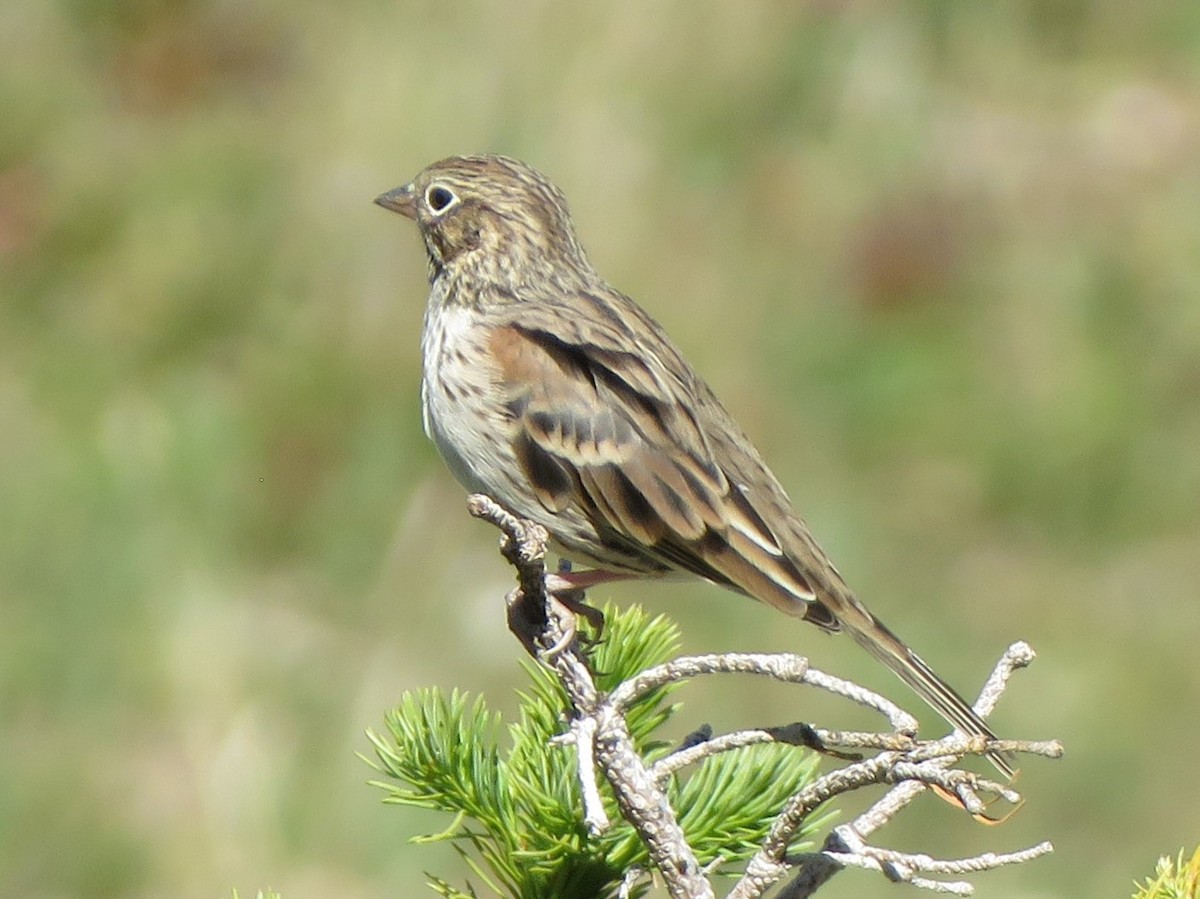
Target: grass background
point(940, 258)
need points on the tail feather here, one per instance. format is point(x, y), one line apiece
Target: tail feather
point(889, 649)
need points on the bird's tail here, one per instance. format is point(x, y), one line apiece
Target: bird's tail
point(871, 634)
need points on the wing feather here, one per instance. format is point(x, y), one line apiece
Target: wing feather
point(605, 433)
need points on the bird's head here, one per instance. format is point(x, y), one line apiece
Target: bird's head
point(490, 218)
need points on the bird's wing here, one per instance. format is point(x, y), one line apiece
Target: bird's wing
point(612, 429)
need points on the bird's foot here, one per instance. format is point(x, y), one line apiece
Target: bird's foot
point(570, 588)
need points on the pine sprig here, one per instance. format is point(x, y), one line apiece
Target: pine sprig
point(726, 805)
point(444, 756)
point(1173, 880)
point(517, 819)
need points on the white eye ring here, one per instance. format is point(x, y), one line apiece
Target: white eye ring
point(439, 198)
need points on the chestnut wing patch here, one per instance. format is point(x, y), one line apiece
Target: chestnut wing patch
point(601, 433)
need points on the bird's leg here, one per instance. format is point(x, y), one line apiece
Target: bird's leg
point(565, 580)
point(569, 587)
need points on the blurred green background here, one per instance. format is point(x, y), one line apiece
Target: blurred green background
point(941, 259)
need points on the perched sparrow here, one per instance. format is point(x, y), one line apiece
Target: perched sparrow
point(560, 398)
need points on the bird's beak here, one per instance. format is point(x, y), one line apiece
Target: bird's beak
point(401, 200)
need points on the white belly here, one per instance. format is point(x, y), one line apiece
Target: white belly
point(462, 404)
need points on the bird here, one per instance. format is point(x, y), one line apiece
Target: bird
point(560, 397)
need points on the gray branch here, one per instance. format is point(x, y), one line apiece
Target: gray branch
point(546, 627)
point(538, 620)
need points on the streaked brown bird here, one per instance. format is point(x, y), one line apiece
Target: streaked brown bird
point(560, 398)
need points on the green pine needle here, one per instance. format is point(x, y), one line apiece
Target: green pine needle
point(516, 814)
point(1173, 880)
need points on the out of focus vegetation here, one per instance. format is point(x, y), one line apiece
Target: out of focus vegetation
point(942, 259)
point(1173, 879)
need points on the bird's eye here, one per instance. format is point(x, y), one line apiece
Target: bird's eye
point(439, 197)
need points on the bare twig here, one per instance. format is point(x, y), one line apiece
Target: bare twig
point(846, 846)
point(631, 879)
point(600, 734)
point(696, 753)
point(780, 666)
point(582, 736)
point(641, 800)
